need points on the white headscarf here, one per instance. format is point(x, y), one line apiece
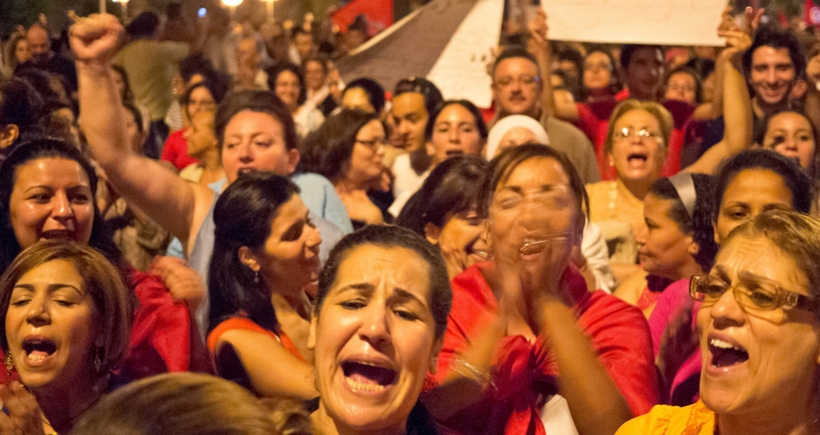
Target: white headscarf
point(508, 123)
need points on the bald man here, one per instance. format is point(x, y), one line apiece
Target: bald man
point(47, 60)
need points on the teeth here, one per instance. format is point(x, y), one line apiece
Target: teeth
point(360, 386)
point(720, 344)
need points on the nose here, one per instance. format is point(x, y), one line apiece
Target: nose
point(790, 144)
point(374, 328)
point(245, 153)
point(726, 311)
point(641, 236)
point(314, 237)
point(37, 313)
point(403, 128)
point(771, 75)
point(454, 135)
point(62, 207)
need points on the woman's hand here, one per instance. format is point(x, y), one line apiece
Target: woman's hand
point(94, 39)
point(182, 281)
point(24, 416)
point(538, 29)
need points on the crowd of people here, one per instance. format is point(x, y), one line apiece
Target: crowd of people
point(205, 230)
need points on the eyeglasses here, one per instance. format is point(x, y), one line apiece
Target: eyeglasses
point(597, 66)
point(506, 82)
point(510, 202)
point(642, 134)
point(373, 143)
point(758, 295)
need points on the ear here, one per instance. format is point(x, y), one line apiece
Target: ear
point(293, 160)
point(311, 342)
point(430, 148)
point(434, 357)
point(8, 135)
point(799, 89)
point(693, 248)
point(432, 232)
point(714, 229)
point(248, 258)
point(610, 160)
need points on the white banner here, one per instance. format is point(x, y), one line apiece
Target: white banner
point(665, 22)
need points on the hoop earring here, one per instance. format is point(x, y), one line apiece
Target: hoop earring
point(9, 365)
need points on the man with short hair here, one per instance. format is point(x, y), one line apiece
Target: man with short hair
point(42, 57)
point(642, 69)
point(302, 43)
point(517, 87)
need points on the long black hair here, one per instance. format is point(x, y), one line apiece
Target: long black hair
point(243, 216)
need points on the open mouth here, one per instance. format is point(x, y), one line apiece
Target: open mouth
point(244, 171)
point(58, 235)
point(725, 354)
point(636, 158)
point(38, 349)
point(364, 376)
point(452, 153)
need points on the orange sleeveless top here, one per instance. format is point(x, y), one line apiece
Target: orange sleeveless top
point(247, 324)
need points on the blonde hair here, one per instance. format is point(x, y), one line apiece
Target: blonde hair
point(659, 112)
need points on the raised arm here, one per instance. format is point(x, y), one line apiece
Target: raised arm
point(737, 106)
point(165, 197)
point(558, 106)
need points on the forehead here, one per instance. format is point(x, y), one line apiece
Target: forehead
point(789, 119)
point(53, 272)
point(201, 93)
point(290, 211)
point(287, 75)
point(37, 34)
point(456, 111)
point(638, 118)
point(757, 185)
point(515, 65)
point(768, 54)
point(372, 128)
point(645, 54)
point(408, 102)
point(314, 65)
point(250, 122)
point(535, 172)
point(682, 76)
point(746, 254)
point(597, 56)
point(395, 267)
point(37, 170)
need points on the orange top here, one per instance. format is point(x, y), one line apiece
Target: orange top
point(247, 324)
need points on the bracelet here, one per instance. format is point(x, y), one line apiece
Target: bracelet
point(472, 372)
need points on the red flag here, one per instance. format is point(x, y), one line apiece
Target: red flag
point(379, 15)
point(811, 14)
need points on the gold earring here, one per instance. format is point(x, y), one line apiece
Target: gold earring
point(9, 365)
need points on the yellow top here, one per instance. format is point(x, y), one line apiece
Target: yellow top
point(672, 420)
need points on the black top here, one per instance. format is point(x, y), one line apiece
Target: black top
point(58, 64)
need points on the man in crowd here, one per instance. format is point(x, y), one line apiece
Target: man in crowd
point(43, 57)
point(517, 87)
point(642, 69)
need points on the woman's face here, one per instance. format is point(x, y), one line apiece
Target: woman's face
point(681, 87)
point(748, 194)
point(597, 71)
point(664, 249)
point(755, 361)
point(368, 153)
point(200, 135)
point(136, 138)
point(514, 137)
point(119, 83)
point(374, 339)
point(455, 133)
point(255, 141)
point(288, 88)
point(357, 98)
point(201, 100)
point(790, 135)
point(461, 240)
point(51, 199)
point(50, 327)
point(638, 157)
point(22, 53)
point(535, 203)
point(314, 75)
point(289, 260)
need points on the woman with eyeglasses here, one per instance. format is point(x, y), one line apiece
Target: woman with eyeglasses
point(348, 149)
point(750, 183)
point(637, 146)
point(759, 335)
